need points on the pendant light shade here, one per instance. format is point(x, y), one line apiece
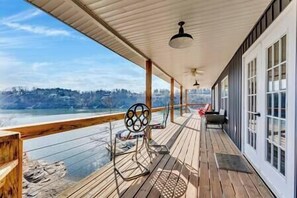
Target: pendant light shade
point(182, 39)
point(196, 84)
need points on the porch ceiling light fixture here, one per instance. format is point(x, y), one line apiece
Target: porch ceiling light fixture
point(196, 84)
point(182, 39)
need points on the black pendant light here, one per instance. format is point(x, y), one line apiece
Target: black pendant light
point(196, 84)
point(182, 39)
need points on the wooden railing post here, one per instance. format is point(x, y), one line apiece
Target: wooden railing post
point(181, 100)
point(10, 164)
point(148, 84)
point(148, 87)
point(172, 100)
point(186, 99)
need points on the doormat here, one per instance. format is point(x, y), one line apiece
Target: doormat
point(231, 162)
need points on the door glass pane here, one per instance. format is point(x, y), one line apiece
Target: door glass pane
point(249, 86)
point(252, 69)
point(255, 86)
point(249, 121)
point(249, 137)
point(275, 131)
point(255, 65)
point(276, 53)
point(269, 128)
point(283, 105)
point(255, 141)
point(276, 78)
point(252, 86)
point(252, 103)
point(275, 104)
point(268, 151)
point(255, 110)
point(282, 163)
point(269, 104)
point(283, 133)
point(269, 80)
point(284, 48)
point(283, 76)
point(249, 72)
point(252, 139)
point(275, 156)
point(269, 57)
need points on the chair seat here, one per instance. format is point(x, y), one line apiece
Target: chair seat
point(215, 118)
point(157, 126)
point(123, 135)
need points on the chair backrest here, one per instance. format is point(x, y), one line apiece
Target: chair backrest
point(137, 118)
point(202, 111)
point(165, 115)
point(206, 107)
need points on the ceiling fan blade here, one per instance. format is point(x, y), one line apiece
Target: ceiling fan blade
point(199, 72)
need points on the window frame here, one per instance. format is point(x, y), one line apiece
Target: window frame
point(225, 95)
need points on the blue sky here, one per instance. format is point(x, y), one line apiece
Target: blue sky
point(37, 50)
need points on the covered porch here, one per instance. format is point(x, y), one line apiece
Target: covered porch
point(139, 31)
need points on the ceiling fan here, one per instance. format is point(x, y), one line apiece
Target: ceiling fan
point(194, 72)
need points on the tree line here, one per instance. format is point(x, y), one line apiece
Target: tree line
point(59, 98)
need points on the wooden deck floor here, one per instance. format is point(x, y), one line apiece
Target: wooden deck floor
point(188, 171)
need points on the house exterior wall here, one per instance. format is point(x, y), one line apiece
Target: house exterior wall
point(234, 71)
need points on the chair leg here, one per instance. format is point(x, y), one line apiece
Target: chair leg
point(113, 151)
point(160, 149)
point(148, 150)
point(143, 170)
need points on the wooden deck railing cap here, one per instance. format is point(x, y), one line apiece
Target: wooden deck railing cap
point(7, 135)
point(30, 131)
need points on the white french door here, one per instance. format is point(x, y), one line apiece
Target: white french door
point(269, 104)
point(252, 114)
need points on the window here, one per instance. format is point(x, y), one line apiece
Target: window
point(276, 105)
point(212, 98)
point(224, 95)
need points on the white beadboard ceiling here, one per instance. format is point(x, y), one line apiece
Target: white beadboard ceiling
point(141, 29)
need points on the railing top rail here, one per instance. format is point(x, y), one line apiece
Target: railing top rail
point(48, 128)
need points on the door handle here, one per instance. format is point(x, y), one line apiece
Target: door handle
point(258, 114)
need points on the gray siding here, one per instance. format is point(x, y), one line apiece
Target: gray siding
point(234, 70)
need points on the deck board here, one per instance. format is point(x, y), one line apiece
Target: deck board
point(188, 171)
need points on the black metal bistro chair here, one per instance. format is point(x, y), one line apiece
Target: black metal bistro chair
point(137, 120)
point(161, 149)
point(162, 125)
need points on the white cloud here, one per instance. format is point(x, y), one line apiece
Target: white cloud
point(38, 65)
point(23, 16)
point(13, 22)
point(37, 29)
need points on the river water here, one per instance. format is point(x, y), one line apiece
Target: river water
point(82, 150)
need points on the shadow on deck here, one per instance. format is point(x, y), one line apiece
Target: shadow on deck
point(188, 171)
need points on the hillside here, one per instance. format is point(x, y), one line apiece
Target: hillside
point(58, 98)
